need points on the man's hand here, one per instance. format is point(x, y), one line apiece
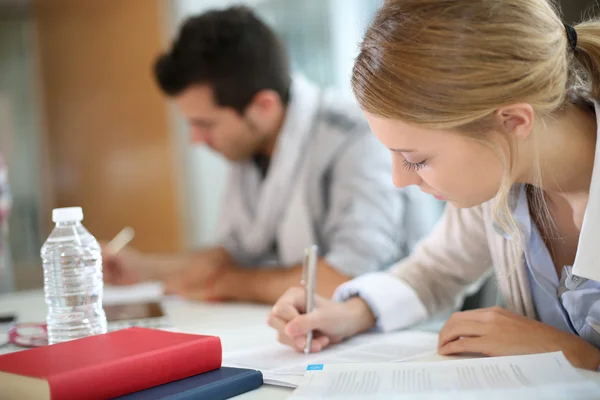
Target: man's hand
point(201, 281)
point(179, 272)
point(498, 332)
point(127, 267)
point(226, 281)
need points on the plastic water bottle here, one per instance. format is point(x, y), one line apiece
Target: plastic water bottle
point(73, 283)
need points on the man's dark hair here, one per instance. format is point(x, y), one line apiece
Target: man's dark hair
point(231, 50)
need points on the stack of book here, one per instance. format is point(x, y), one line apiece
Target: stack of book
point(135, 363)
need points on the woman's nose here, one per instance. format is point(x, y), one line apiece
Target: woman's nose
point(402, 177)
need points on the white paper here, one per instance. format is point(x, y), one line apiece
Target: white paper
point(283, 366)
point(540, 376)
point(148, 291)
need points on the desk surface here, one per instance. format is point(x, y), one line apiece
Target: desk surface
point(223, 320)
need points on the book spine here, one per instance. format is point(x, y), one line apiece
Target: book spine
point(139, 372)
point(223, 390)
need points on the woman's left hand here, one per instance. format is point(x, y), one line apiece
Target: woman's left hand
point(498, 332)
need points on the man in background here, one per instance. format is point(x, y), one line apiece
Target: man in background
point(304, 170)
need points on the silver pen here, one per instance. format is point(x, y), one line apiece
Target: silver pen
point(309, 281)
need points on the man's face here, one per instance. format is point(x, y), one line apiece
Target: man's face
point(222, 129)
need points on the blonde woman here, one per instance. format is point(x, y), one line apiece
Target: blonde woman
point(493, 106)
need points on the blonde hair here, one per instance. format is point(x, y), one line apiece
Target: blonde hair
point(450, 64)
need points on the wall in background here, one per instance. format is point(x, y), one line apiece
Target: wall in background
point(108, 127)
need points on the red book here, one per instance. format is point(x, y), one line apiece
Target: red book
point(109, 365)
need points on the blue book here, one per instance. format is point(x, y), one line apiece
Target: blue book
point(220, 384)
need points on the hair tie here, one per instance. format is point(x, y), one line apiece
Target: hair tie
point(571, 36)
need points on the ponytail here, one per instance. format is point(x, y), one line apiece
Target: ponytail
point(587, 53)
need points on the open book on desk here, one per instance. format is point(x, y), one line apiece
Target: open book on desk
point(282, 366)
point(540, 376)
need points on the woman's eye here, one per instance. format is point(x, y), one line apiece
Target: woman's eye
point(413, 167)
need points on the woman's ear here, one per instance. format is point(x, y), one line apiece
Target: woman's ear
point(516, 119)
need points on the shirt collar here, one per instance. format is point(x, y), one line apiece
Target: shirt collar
point(301, 110)
point(588, 252)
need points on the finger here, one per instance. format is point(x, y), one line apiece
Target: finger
point(319, 342)
point(178, 282)
point(175, 286)
point(115, 278)
point(276, 323)
point(193, 295)
point(470, 315)
point(285, 339)
point(170, 287)
point(335, 339)
point(299, 326)
point(109, 269)
point(123, 279)
point(167, 290)
point(284, 310)
point(492, 315)
point(300, 343)
point(481, 345)
point(320, 319)
point(452, 331)
point(480, 312)
point(505, 313)
point(296, 297)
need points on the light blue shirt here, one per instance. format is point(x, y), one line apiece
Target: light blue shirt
point(571, 303)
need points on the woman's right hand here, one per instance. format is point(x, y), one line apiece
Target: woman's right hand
point(331, 321)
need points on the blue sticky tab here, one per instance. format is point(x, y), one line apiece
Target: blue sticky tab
point(315, 367)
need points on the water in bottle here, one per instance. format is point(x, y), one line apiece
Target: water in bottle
point(72, 279)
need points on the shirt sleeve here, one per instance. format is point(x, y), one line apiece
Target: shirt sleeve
point(449, 260)
point(433, 278)
point(394, 304)
point(363, 226)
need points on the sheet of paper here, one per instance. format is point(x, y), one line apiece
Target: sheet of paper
point(149, 291)
point(540, 376)
point(283, 366)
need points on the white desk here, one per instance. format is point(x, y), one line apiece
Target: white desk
point(238, 325)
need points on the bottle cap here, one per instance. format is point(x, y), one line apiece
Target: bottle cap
point(67, 214)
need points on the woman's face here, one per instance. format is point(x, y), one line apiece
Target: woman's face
point(445, 164)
